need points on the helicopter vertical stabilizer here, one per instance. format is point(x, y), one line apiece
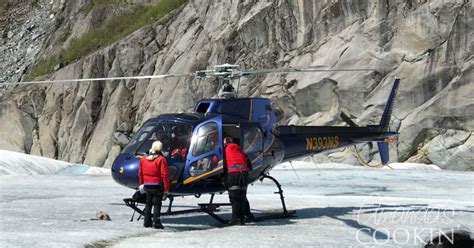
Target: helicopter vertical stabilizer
point(385, 121)
point(383, 151)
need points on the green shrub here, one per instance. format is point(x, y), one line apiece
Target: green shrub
point(34, 3)
point(87, 7)
point(4, 5)
point(90, 5)
point(43, 67)
point(112, 30)
point(63, 37)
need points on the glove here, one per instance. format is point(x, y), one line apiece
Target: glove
point(165, 195)
point(224, 181)
point(141, 188)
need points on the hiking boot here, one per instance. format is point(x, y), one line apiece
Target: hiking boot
point(233, 222)
point(147, 224)
point(236, 223)
point(249, 218)
point(158, 225)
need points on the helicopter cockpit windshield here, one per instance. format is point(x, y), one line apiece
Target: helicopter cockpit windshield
point(175, 137)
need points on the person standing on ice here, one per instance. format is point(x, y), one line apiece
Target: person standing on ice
point(153, 178)
point(238, 165)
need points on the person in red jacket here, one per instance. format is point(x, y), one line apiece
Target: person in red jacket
point(178, 149)
point(153, 177)
point(238, 165)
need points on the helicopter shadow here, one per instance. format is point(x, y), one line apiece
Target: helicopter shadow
point(339, 213)
point(202, 221)
point(347, 215)
point(195, 221)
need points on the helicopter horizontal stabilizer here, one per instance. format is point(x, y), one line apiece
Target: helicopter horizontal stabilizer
point(348, 120)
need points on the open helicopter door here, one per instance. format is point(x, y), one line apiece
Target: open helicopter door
point(204, 158)
point(251, 142)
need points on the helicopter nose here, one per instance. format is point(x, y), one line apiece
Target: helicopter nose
point(125, 170)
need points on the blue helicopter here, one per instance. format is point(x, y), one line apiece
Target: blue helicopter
point(193, 143)
point(194, 149)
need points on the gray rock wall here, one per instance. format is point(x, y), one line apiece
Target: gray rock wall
point(23, 31)
point(428, 44)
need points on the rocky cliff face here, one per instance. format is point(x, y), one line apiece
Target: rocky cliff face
point(24, 29)
point(428, 44)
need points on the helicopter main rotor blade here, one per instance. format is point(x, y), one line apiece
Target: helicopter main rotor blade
point(296, 69)
point(61, 81)
point(225, 71)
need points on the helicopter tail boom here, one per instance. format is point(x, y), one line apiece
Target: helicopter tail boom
point(300, 141)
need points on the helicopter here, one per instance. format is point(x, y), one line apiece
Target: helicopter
point(193, 142)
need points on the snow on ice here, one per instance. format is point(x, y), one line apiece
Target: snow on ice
point(49, 203)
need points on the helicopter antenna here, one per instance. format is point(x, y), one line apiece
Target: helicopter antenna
point(238, 86)
point(291, 164)
point(314, 161)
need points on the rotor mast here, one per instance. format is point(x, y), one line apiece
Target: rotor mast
point(225, 73)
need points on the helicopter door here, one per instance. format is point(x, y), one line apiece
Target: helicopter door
point(205, 154)
point(251, 141)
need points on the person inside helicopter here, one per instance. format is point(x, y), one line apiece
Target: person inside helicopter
point(179, 139)
point(174, 137)
point(146, 139)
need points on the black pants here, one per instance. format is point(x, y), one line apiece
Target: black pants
point(237, 185)
point(154, 194)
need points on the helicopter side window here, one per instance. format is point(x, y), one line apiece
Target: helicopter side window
point(138, 139)
point(203, 165)
point(252, 139)
point(206, 139)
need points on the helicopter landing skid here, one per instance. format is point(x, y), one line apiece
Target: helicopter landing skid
point(282, 215)
point(210, 208)
point(134, 205)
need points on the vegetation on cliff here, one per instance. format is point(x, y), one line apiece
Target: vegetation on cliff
point(112, 30)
